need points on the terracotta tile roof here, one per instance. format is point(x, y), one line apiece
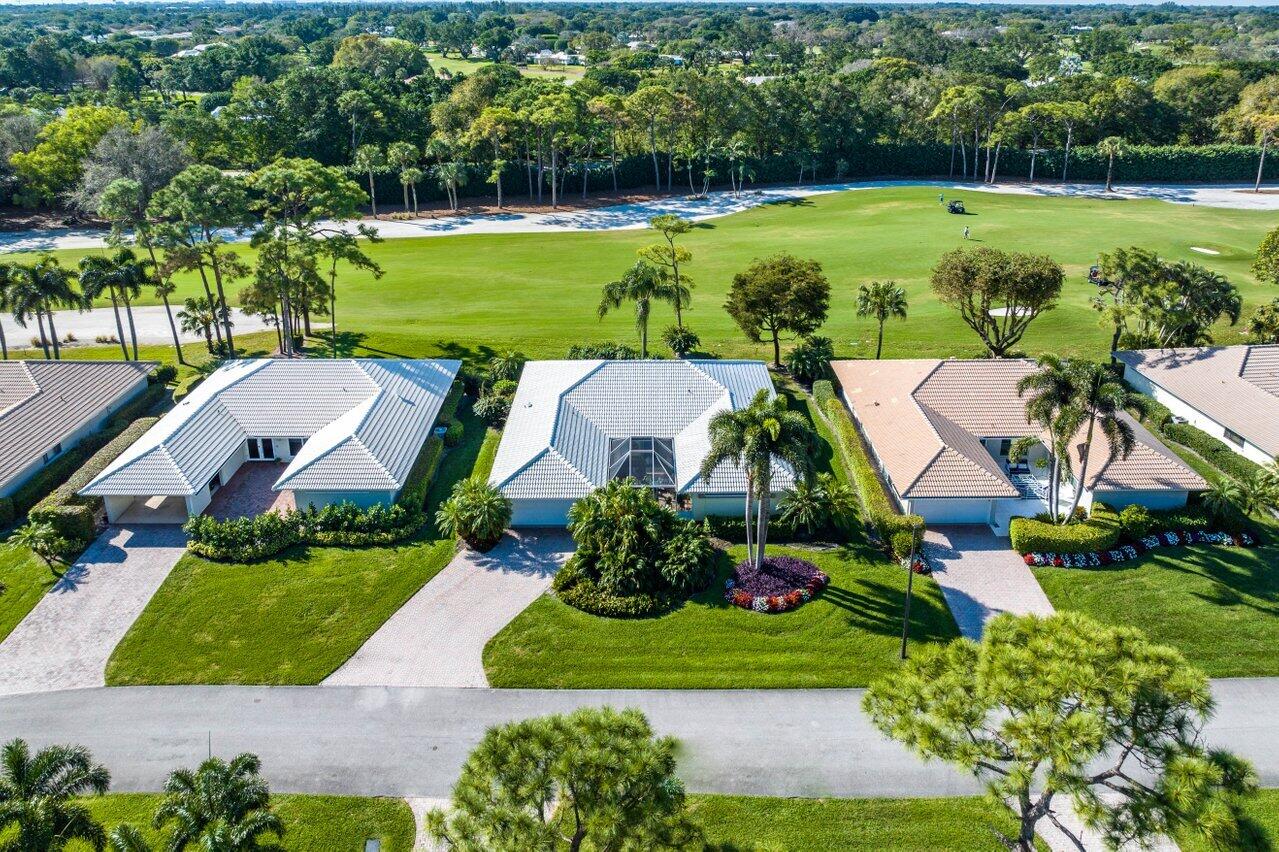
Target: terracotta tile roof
point(925, 420)
point(1237, 386)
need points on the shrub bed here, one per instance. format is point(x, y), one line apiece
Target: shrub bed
point(782, 583)
point(1126, 552)
point(878, 503)
point(579, 591)
point(337, 525)
point(1099, 532)
point(1214, 451)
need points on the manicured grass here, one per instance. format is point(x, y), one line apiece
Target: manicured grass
point(312, 823)
point(290, 620)
point(469, 296)
point(23, 581)
point(1218, 605)
point(903, 825)
point(846, 636)
point(1261, 826)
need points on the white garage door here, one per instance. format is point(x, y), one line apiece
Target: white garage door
point(540, 513)
point(938, 510)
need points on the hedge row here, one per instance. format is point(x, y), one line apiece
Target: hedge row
point(1215, 451)
point(57, 471)
point(76, 517)
point(1100, 532)
point(878, 503)
point(418, 485)
point(336, 525)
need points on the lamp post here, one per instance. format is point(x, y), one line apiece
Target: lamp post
point(910, 584)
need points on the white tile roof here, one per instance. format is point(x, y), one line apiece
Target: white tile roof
point(555, 444)
point(925, 419)
point(1237, 386)
point(363, 422)
point(42, 403)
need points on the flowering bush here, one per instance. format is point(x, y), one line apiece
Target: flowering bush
point(782, 583)
point(1168, 538)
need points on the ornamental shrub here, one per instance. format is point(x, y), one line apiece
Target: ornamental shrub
point(264, 536)
point(681, 341)
point(1135, 521)
point(164, 374)
point(902, 541)
point(1215, 451)
point(810, 358)
point(453, 433)
point(603, 352)
point(476, 512)
point(7, 513)
point(1099, 532)
point(492, 409)
point(581, 592)
point(824, 505)
point(629, 544)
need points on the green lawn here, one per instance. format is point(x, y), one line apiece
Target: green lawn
point(467, 296)
point(23, 581)
point(291, 620)
point(1261, 826)
point(1218, 605)
point(312, 823)
point(903, 825)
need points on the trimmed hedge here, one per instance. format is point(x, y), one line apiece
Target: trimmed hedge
point(76, 517)
point(7, 513)
point(413, 494)
point(336, 525)
point(879, 505)
point(1214, 451)
point(1099, 532)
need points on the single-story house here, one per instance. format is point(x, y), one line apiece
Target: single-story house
point(47, 407)
point(341, 431)
point(941, 433)
point(576, 425)
point(1230, 392)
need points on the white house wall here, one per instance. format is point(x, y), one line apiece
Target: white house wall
point(1149, 499)
point(363, 499)
point(540, 512)
point(199, 501)
point(1192, 415)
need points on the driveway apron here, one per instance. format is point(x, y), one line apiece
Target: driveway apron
point(65, 641)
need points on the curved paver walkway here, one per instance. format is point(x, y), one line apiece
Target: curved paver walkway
point(65, 641)
point(981, 576)
point(438, 637)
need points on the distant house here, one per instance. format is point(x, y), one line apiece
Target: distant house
point(1230, 392)
point(47, 407)
point(340, 431)
point(576, 425)
point(941, 434)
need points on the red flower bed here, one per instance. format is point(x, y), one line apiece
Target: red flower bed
point(782, 583)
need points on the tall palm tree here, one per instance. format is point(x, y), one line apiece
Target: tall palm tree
point(751, 439)
point(881, 300)
point(1099, 400)
point(369, 160)
point(97, 278)
point(36, 289)
point(131, 274)
point(1112, 147)
point(642, 284)
point(1051, 390)
point(220, 806)
point(37, 811)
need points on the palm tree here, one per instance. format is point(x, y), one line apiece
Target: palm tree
point(451, 175)
point(1098, 401)
point(198, 317)
point(37, 807)
point(6, 270)
point(402, 158)
point(1111, 147)
point(1250, 495)
point(131, 274)
point(369, 160)
point(752, 439)
point(97, 278)
point(220, 806)
point(42, 539)
point(881, 300)
point(35, 290)
point(1050, 407)
point(642, 284)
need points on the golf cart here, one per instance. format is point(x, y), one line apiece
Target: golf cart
point(956, 207)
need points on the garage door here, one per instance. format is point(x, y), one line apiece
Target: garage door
point(540, 513)
point(952, 511)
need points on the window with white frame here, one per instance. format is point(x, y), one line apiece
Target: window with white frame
point(650, 460)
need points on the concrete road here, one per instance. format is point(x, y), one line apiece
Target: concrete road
point(411, 742)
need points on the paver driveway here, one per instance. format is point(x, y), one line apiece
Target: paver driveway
point(64, 642)
point(438, 637)
point(981, 576)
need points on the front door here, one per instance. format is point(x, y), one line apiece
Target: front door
point(261, 449)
